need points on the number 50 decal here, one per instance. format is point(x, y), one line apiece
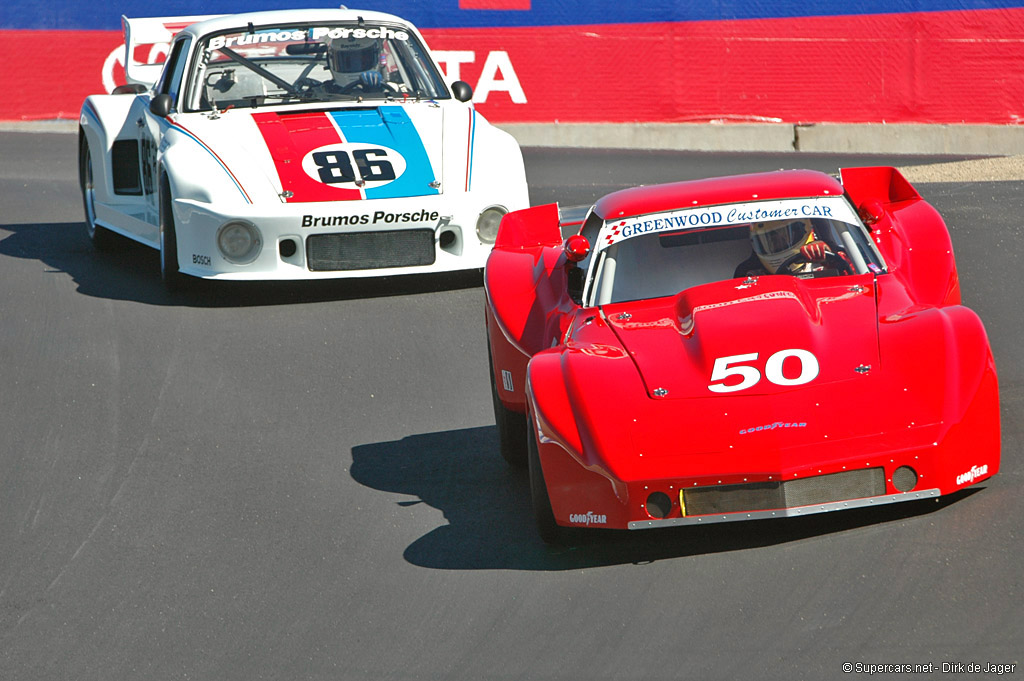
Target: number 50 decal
point(739, 365)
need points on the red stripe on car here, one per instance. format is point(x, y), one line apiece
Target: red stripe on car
point(289, 138)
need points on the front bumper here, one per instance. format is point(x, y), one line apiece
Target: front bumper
point(796, 511)
point(320, 240)
point(674, 492)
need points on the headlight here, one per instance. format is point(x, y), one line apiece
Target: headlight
point(239, 242)
point(487, 224)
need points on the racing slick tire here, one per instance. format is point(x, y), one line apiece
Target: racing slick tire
point(551, 532)
point(511, 424)
point(172, 278)
point(101, 238)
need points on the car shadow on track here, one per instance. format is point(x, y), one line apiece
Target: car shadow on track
point(490, 522)
point(131, 271)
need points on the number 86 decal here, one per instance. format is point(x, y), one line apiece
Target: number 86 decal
point(334, 166)
point(739, 365)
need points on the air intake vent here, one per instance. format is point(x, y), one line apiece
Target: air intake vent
point(766, 496)
point(370, 250)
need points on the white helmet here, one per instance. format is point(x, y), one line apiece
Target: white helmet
point(350, 56)
point(776, 242)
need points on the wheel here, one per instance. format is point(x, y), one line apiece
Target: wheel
point(511, 424)
point(172, 278)
point(101, 238)
point(550, 531)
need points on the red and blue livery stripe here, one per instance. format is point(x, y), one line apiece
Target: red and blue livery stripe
point(390, 127)
point(291, 137)
point(469, 149)
point(188, 133)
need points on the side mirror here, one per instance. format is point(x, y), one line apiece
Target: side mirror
point(871, 211)
point(462, 91)
point(576, 248)
point(160, 105)
point(129, 89)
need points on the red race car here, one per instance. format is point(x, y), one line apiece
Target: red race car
point(757, 346)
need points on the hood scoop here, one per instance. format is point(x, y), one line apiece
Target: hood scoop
point(778, 334)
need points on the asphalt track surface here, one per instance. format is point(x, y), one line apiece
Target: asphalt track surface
point(302, 482)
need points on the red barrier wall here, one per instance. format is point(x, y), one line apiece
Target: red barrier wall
point(928, 67)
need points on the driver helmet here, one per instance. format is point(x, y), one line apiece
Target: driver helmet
point(348, 57)
point(776, 242)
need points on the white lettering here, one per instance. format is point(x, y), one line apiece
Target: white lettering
point(451, 62)
point(115, 57)
point(976, 473)
point(489, 81)
point(588, 518)
point(735, 366)
point(314, 34)
point(777, 424)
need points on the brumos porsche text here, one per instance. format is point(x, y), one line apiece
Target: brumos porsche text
point(367, 219)
point(320, 33)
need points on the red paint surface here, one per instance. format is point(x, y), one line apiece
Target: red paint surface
point(928, 398)
point(930, 67)
point(289, 138)
point(939, 67)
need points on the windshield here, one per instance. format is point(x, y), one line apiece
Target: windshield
point(661, 254)
point(271, 65)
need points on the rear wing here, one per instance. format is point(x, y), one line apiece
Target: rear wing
point(529, 227)
point(880, 183)
point(154, 33)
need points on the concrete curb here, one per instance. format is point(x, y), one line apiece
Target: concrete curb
point(856, 138)
point(62, 125)
point(874, 138)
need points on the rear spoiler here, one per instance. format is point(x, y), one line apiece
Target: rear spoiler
point(156, 32)
point(529, 227)
point(881, 183)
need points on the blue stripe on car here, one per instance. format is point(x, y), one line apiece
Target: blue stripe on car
point(390, 126)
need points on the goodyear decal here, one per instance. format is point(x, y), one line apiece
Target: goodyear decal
point(347, 155)
point(976, 473)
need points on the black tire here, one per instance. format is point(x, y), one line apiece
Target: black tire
point(101, 238)
point(172, 278)
point(550, 531)
point(511, 424)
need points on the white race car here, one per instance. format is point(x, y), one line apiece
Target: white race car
point(296, 144)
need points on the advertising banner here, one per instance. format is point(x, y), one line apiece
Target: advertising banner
point(532, 61)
